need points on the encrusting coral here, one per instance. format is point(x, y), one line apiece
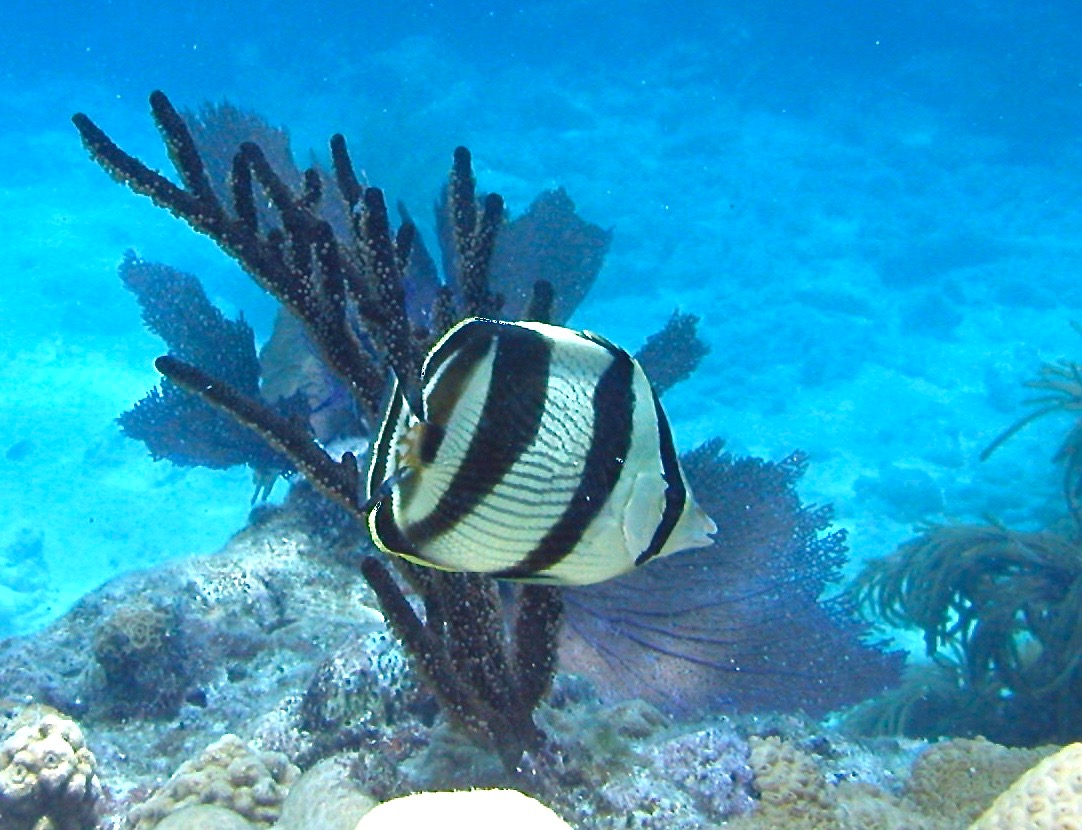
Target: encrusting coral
point(955, 780)
point(1047, 797)
point(791, 787)
point(227, 774)
point(47, 774)
point(203, 817)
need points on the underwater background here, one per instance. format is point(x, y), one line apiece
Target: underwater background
point(875, 210)
point(871, 208)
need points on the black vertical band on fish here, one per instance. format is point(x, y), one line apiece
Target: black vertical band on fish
point(539, 453)
point(613, 402)
point(383, 528)
point(675, 491)
point(510, 418)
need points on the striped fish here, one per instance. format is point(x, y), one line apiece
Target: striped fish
point(540, 454)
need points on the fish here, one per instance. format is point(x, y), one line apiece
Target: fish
point(539, 454)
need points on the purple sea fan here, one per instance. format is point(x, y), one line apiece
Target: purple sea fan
point(740, 624)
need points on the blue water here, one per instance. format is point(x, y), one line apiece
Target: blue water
point(875, 209)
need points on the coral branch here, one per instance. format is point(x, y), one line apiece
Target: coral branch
point(337, 479)
point(351, 298)
point(487, 686)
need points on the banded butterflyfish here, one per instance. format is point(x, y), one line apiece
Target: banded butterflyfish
point(540, 453)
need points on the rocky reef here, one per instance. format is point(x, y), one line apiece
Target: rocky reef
point(298, 707)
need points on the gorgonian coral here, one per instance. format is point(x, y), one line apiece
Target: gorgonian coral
point(741, 624)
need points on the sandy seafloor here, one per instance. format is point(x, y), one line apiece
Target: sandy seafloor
point(876, 274)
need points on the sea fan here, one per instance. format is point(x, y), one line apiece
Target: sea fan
point(741, 624)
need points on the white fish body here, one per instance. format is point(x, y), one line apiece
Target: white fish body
point(542, 454)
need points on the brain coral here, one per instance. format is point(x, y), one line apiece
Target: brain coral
point(1047, 797)
point(47, 779)
point(956, 780)
point(229, 774)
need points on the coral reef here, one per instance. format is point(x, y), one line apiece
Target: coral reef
point(47, 773)
point(228, 774)
point(1047, 797)
point(951, 784)
point(353, 284)
point(677, 781)
point(362, 692)
point(351, 687)
point(606, 767)
point(254, 623)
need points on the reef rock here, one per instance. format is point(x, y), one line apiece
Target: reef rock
point(327, 797)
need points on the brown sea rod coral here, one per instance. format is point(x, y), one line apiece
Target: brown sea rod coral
point(350, 295)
